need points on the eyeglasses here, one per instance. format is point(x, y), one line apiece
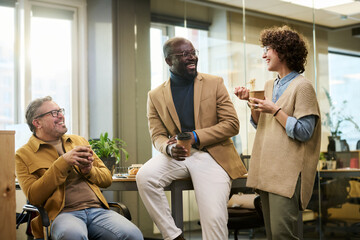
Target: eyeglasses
point(54, 113)
point(187, 53)
point(266, 49)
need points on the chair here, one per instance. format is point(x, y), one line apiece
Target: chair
point(31, 211)
point(333, 194)
point(241, 218)
point(245, 159)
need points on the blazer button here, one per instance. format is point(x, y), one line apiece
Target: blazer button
point(69, 171)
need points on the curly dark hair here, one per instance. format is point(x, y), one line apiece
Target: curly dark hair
point(290, 46)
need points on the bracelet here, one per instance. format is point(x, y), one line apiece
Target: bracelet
point(195, 136)
point(277, 112)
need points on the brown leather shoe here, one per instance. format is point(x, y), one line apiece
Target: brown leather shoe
point(180, 237)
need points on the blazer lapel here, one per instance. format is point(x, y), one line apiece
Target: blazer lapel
point(170, 104)
point(198, 83)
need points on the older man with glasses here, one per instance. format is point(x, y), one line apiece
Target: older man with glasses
point(61, 173)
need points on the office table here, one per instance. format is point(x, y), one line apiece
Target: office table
point(176, 188)
point(340, 173)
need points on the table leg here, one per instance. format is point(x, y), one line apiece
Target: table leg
point(300, 226)
point(177, 205)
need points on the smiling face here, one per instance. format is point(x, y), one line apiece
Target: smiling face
point(272, 60)
point(274, 63)
point(49, 128)
point(185, 67)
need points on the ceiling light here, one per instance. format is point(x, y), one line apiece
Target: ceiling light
point(318, 4)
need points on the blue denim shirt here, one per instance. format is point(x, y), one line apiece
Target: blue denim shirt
point(299, 129)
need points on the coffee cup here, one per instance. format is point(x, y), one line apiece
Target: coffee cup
point(184, 139)
point(260, 94)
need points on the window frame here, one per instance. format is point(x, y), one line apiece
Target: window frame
point(79, 84)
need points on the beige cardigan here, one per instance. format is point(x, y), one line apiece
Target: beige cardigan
point(277, 160)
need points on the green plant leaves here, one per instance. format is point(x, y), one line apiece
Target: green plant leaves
point(335, 117)
point(105, 147)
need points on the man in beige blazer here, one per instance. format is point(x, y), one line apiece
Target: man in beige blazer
point(198, 104)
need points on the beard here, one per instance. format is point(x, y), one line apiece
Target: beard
point(190, 75)
point(57, 131)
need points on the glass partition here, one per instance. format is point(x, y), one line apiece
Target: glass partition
point(337, 185)
point(230, 48)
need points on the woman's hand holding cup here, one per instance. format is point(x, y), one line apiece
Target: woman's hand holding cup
point(242, 93)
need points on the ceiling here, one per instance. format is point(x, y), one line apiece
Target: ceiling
point(340, 16)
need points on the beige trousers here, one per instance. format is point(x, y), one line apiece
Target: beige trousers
point(211, 185)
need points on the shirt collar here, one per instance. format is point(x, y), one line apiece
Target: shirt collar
point(35, 143)
point(286, 79)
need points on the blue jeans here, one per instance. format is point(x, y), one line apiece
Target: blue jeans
point(93, 223)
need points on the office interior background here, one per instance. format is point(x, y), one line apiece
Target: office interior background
point(99, 58)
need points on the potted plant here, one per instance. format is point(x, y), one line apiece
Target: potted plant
point(109, 151)
point(335, 117)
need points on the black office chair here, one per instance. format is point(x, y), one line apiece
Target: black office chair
point(355, 227)
point(31, 211)
point(333, 194)
point(241, 218)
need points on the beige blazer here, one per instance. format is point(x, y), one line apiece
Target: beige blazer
point(215, 120)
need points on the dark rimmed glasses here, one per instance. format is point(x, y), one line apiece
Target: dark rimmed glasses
point(54, 113)
point(187, 53)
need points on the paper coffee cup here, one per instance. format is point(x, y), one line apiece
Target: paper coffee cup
point(260, 94)
point(184, 139)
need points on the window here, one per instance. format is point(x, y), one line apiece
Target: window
point(344, 75)
point(7, 65)
point(51, 56)
point(43, 55)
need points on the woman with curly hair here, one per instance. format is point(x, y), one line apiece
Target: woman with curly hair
point(287, 142)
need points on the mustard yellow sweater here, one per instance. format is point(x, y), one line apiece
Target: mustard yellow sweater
point(42, 174)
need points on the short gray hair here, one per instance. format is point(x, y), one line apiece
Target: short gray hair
point(32, 110)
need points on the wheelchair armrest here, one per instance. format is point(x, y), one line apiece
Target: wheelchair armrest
point(43, 214)
point(123, 209)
